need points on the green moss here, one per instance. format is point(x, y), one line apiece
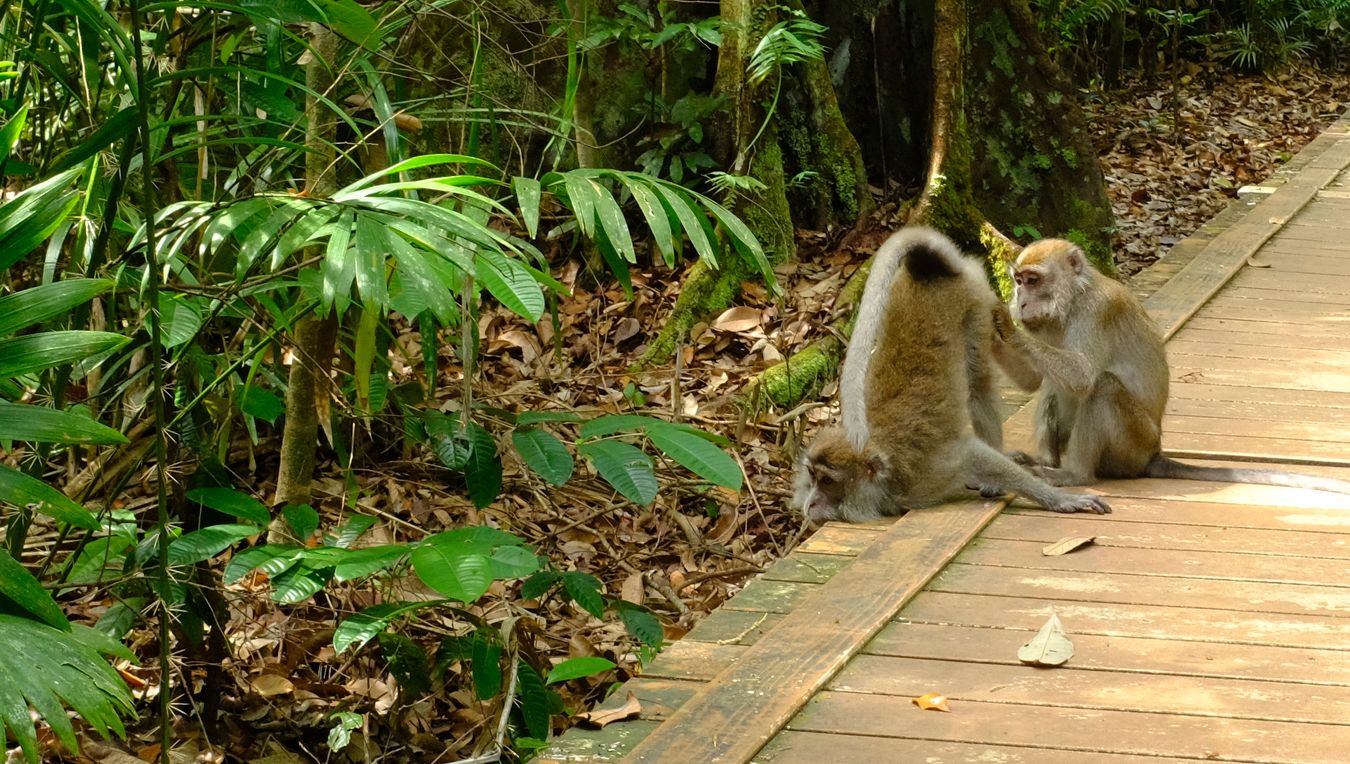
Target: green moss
point(799, 378)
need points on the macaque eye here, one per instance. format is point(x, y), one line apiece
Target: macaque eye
point(1031, 279)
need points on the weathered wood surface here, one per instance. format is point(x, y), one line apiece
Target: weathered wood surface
point(1210, 621)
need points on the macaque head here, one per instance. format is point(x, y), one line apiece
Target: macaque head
point(834, 481)
point(1047, 276)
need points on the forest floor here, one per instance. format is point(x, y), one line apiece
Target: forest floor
point(691, 550)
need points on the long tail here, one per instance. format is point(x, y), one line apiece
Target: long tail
point(931, 248)
point(1165, 467)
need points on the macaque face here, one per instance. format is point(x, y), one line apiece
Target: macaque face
point(833, 480)
point(1045, 278)
point(1033, 297)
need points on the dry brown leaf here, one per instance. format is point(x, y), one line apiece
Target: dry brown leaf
point(933, 701)
point(630, 709)
point(739, 319)
point(270, 685)
point(633, 590)
point(1050, 646)
point(1066, 545)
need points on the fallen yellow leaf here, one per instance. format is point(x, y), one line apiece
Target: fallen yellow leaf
point(933, 701)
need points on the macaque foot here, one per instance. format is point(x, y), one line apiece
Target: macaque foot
point(1023, 458)
point(1081, 502)
point(988, 491)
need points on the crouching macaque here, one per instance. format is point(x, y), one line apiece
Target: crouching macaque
point(922, 328)
point(1102, 371)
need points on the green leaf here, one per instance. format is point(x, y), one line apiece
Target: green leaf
point(260, 403)
point(539, 417)
point(24, 590)
point(534, 700)
point(450, 446)
point(19, 489)
point(657, 221)
point(613, 222)
point(576, 668)
point(611, 424)
point(349, 19)
point(359, 629)
point(624, 467)
point(407, 663)
point(277, 557)
point(360, 563)
point(35, 352)
point(199, 545)
point(299, 583)
point(641, 623)
point(679, 204)
point(20, 421)
point(452, 572)
point(538, 584)
point(581, 198)
point(40, 303)
point(9, 134)
point(511, 283)
point(303, 520)
point(544, 453)
point(485, 662)
point(483, 470)
point(584, 589)
point(30, 218)
point(514, 562)
point(47, 670)
point(527, 197)
point(232, 502)
point(697, 455)
point(340, 734)
point(352, 530)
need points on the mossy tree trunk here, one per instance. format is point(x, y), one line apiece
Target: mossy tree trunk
point(315, 336)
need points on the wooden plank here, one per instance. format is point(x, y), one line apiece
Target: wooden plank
point(1229, 347)
point(806, 567)
point(692, 660)
point(1253, 428)
point(1284, 310)
point(1264, 278)
point(1185, 444)
point(736, 713)
point(1130, 732)
point(1273, 497)
point(980, 571)
point(1258, 375)
point(1286, 293)
point(1241, 322)
point(839, 538)
point(1227, 254)
point(792, 747)
point(1043, 530)
point(1268, 396)
point(1200, 512)
point(738, 627)
point(1263, 412)
point(767, 596)
point(973, 644)
point(1067, 687)
point(1284, 261)
point(1191, 563)
point(1153, 621)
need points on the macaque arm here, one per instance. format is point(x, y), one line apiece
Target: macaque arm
point(1067, 369)
point(1017, 366)
point(985, 466)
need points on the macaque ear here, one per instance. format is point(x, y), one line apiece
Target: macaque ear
point(876, 466)
point(1075, 259)
point(1012, 272)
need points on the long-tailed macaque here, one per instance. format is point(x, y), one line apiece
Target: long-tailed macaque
point(920, 446)
point(1099, 361)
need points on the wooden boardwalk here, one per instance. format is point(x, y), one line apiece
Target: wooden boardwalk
point(1210, 621)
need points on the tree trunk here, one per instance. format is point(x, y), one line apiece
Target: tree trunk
point(315, 336)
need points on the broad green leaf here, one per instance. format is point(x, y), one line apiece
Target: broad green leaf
point(263, 404)
point(510, 282)
point(9, 134)
point(576, 668)
point(232, 502)
point(19, 489)
point(624, 467)
point(538, 584)
point(407, 663)
point(352, 530)
point(610, 424)
point(359, 563)
point(584, 590)
point(544, 453)
point(641, 623)
point(415, 163)
point(678, 203)
point(534, 700)
point(19, 586)
point(655, 215)
point(349, 19)
point(483, 470)
point(514, 562)
point(35, 352)
point(581, 197)
point(369, 255)
point(363, 355)
point(200, 545)
point(538, 417)
point(339, 262)
point(181, 319)
point(445, 439)
point(613, 222)
point(697, 455)
point(114, 129)
point(27, 220)
point(741, 235)
point(480, 538)
point(527, 197)
point(302, 518)
point(298, 583)
point(356, 631)
point(451, 572)
point(40, 303)
point(99, 559)
point(20, 421)
point(485, 661)
point(48, 670)
point(275, 556)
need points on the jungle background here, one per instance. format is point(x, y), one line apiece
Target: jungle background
point(391, 379)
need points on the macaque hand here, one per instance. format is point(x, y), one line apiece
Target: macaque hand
point(1004, 326)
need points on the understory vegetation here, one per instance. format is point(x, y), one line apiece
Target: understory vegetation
point(391, 380)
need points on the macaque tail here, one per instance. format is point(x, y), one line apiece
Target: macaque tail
point(931, 258)
point(1163, 467)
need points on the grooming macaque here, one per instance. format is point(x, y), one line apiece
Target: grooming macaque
point(1102, 371)
point(923, 328)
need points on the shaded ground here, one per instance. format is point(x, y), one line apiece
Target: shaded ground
point(689, 552)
